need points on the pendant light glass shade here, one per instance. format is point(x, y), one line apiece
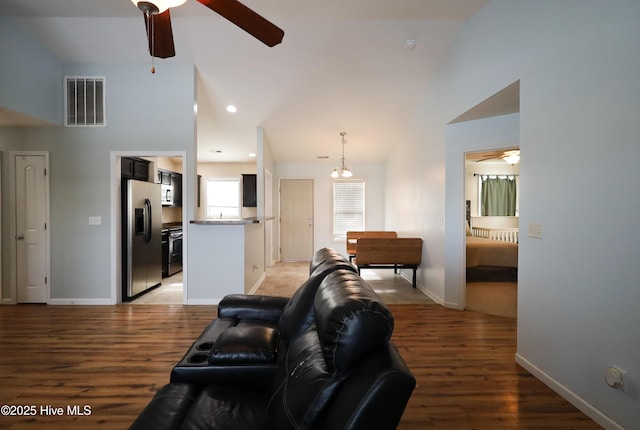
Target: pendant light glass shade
point(162, 5)
point(344, 170)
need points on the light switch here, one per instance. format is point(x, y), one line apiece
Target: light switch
point(95, 220)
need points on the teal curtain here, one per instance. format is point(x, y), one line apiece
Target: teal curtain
point(498, 196)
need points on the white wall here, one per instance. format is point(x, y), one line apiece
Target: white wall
point(373, 174)
point(497, 132)
point(578, 63)
point(81, 168)
point(31, 77)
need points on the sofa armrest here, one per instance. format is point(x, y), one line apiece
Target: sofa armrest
point(243, 306)
point(168, 408)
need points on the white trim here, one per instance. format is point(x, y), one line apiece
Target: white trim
point(214, 301)
point(116, 262)
point(577, 401)
point(257, 284)
point(409, 277)
point(81, 302)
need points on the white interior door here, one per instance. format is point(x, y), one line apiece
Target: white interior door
point(296, 219)
point(31, 228)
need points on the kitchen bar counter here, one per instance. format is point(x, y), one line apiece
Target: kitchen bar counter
point(229, 258)
point(230, 221)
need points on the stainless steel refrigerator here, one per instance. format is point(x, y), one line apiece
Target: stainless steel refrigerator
point(141, 237)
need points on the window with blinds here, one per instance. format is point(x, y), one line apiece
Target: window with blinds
point(84, 102)
point(223, 198)
point(348, 207)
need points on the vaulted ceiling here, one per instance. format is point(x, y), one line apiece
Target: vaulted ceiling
point(342, 66)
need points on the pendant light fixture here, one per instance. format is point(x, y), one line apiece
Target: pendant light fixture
point(344, 170)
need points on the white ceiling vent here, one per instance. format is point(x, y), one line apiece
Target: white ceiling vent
point(84, 102)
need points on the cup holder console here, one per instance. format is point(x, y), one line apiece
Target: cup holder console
point(205, 346)
point(198, 358)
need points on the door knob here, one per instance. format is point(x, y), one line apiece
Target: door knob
point(20, 237)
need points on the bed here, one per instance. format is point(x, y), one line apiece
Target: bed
point(492, 260)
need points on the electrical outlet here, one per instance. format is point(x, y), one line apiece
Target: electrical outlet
point(614, 377)
point(534, 230)
point(95, 220)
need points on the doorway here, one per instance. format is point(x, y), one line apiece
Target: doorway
point(491, 195)
point(296, 219)
point(172, 289)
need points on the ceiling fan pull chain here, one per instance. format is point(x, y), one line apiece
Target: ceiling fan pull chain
point(153, 46)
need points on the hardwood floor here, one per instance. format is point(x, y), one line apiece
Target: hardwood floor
point(113, 358)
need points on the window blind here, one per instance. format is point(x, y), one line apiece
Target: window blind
point(348, 207)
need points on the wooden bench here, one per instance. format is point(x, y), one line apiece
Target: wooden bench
point(353, 236)
point(392, 253)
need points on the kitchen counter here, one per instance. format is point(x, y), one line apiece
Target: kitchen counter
point(230, 221)
point(229, 258)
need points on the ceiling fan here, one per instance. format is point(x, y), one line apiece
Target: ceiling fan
point(511, 156)
point(157, 20)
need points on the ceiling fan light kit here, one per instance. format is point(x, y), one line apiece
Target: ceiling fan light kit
point(158, 22)
point(344, 170)
point(511, 157)
point(156, 6)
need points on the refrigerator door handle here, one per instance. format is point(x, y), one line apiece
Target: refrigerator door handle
point(147, 220)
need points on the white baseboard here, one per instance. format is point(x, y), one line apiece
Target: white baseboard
point(214, 301)
point(577, 401)
point(257, 284)
point(409, 277)
point(455, 306)
point(81, 302)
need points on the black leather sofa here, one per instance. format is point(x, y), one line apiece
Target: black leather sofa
point(324, 361)
point(247, 340)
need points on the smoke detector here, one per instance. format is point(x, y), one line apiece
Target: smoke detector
point(410, 44)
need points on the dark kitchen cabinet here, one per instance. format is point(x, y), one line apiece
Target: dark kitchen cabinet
point(165, 253)
point(134, 168)
point(249, 190)
point(167, 177)
point(176, 184)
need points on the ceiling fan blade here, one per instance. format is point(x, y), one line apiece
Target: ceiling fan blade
point(160, 35)
point(247, 19)
point(487, 158)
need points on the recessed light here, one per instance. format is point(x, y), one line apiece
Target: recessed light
point(232, 109)
point(252, 154)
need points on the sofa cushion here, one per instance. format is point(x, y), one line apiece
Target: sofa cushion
point(304, 387)
point(297, 315)
point(225, 408)
point(322, 255)
point(350, 319)
point(245, 343)
point(168, 408)
point(244, 306)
